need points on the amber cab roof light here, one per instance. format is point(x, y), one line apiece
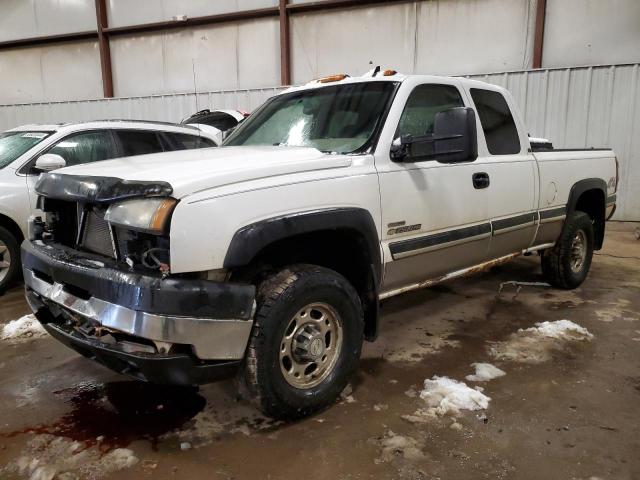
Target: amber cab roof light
point(332, 78)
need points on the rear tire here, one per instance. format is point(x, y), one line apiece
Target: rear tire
point(567, 264)
point(305, 343)
point(9, 259)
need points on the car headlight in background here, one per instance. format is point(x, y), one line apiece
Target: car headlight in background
point(145, 214)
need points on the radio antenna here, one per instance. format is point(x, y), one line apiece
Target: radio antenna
point(195, 87)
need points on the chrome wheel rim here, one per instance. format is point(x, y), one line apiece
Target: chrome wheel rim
point(311, 345)
point(5, 260)
point(578, 252)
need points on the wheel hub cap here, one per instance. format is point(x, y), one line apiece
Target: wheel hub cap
point(308, 343)
point(311, 345)
point(578, 252)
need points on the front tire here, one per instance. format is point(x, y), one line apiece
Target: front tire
point(567, 264)
point(9, 259)
point(305, 343)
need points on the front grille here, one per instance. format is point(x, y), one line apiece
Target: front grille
point(82, 226)
point(96, 236)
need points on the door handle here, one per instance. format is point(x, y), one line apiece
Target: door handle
point(480, 180)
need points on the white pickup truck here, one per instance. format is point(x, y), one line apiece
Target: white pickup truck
point(267, 258)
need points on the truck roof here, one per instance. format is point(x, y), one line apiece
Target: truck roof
point(387, 76)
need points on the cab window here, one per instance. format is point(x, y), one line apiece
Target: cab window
point(422, 106)
point(500, 131)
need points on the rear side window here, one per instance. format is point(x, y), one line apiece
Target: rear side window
point(139, 142)
point(498, 126)
point(184, 141)
point(422, 105)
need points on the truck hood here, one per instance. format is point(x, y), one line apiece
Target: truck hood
point(191, 171)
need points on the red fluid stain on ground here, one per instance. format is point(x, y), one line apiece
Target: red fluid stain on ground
point(120, 413)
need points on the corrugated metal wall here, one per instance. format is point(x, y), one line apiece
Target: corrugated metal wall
point(574, 107)
point(169, 108)
point(585, 107)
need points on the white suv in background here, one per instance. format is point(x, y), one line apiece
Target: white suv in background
point(27, 151)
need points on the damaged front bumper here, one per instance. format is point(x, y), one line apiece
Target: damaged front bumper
point(170, 330)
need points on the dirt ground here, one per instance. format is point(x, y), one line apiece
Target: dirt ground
point(569, 410)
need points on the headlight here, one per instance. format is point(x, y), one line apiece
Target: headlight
point(146, 214)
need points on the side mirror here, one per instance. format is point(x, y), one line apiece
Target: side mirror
point(458, 139)
point(454, 139)
point(49, 162)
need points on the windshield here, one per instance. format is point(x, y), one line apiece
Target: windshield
point(14, 144)
point(340, 118)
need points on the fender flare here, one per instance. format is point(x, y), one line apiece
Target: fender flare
point(576, 191)
point(251, 239)
point(582, 186)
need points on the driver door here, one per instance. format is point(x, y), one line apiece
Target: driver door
point(435, 216)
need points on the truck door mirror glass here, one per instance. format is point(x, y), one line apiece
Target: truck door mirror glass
point(49, 162)
point(453, 140)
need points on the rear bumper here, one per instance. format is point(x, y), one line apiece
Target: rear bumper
point(162, 330)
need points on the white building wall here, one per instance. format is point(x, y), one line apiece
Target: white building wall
point(441, 37)
point(52, 72)
point(38, 18)
point(131, 12)
point(224, 56)
point(436, 36)
point(591, 32)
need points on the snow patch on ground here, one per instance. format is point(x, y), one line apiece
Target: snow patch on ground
point(24, 328)
point(562, 330)
point(47, 457)
point(537, 344)
point(445, 396)
point(485, 372)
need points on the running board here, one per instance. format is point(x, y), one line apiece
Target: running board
point(481, 267)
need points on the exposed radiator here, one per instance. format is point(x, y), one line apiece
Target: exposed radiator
point(96, 236)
